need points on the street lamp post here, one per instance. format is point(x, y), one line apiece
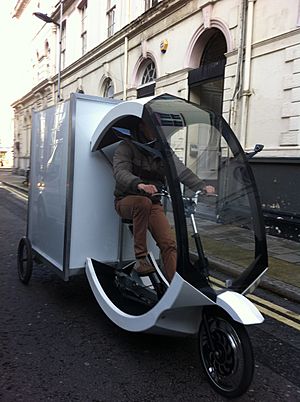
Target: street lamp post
point(47, 19)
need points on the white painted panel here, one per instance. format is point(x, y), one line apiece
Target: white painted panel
point(95, 223)
point(94, 229)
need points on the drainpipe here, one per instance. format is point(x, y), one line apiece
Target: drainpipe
point(125, 68)
point(53, 67)
point(247, 73)
point(239, 65)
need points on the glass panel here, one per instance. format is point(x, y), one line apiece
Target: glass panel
point(209, 94)
point(204, 161)
point(149, 73)
point(108, 88)
point(47, 201)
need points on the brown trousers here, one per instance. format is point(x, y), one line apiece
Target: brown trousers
point(146, 215)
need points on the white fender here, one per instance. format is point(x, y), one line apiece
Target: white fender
point(239, 308)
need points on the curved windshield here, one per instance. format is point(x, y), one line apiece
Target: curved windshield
point(217, 190)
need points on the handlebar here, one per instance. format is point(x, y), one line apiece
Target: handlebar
point(190, 203)
point(194, 198)
point(162, 193)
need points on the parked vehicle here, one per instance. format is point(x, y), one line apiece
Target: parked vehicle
point(85, 233)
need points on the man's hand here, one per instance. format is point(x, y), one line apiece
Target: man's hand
point(210, 189)
point(147, 188)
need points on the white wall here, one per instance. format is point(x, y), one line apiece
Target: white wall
point(274, 115)
point(274, 17)
point(265, 108)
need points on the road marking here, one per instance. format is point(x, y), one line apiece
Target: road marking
point(279, 313)
point(18, 193)
point(267, 308)
point(275, 307)
point(278, 317)
point(267, 303)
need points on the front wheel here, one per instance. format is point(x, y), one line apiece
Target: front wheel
point(226, 353)
point(25, 260)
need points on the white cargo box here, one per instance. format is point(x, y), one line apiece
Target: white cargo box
point(71, 214)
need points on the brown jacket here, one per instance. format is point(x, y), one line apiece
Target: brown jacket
point(133, 166)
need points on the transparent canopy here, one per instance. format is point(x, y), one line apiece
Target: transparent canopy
point(204, 154)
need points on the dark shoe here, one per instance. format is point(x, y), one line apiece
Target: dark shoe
point(143, 268)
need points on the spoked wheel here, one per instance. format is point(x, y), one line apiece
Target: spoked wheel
point(226, 353)
point(25, 260)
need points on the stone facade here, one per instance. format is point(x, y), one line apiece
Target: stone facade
point(261, 92)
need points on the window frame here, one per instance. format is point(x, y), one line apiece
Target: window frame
point(110, 13)
point(82, 7)
point(108, 83)
point(151, 77)
point(63, 43)
point(150, 3)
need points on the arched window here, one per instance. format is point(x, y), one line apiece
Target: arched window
point(47, 48)
point(108, 88)
point(215, 49)
point(149, 74)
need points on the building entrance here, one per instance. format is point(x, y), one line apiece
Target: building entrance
point(206, 82)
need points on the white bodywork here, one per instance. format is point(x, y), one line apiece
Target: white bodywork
point(70, 181)
point(178, 312)
point(180, 309)
point(129, 108)
point(239, 308)
point(72, 196)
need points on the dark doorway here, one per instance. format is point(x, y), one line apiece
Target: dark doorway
point(206, 83)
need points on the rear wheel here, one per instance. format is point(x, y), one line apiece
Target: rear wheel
point(25, 260)
point(226, 353)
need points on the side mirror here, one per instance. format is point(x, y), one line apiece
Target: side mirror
point(257, 148)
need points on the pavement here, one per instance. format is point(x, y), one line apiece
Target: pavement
point(282, 277)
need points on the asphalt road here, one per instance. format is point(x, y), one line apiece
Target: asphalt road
point(57, 344)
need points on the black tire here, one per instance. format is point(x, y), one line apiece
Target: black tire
point(229, 367)
point(25, 260)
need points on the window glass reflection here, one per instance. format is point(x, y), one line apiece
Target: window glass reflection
point(223, 219)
